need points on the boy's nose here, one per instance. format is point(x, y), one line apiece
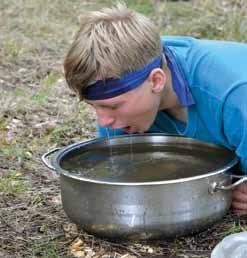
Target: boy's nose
point(105, 120)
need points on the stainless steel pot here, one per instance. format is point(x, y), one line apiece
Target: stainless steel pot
point(135, 208)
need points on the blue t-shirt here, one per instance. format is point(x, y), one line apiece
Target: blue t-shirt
point(216, 75)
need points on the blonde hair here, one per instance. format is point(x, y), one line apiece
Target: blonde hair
point(110, 43)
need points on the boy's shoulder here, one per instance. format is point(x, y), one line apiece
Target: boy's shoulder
point(178, 41)
point(187, 41)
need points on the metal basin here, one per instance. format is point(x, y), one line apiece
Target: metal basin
point(144, 186)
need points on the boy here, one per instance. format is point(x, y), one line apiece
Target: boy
point(138, 82)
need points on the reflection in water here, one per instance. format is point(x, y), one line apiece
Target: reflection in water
point(141, 163)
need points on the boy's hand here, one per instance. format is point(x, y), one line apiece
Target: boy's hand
point(239, 198)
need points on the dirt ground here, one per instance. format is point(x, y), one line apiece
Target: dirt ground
point(38, 112)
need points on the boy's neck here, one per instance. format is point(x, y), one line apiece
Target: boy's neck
point(179, 113)
point(169, 101)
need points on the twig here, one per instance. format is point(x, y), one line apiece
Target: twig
point(8, 225)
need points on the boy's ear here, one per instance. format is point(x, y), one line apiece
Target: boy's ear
point(157, 77)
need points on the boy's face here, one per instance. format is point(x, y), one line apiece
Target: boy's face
point(133, 111)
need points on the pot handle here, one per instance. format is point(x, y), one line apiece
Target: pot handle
point(46, 155)
point(218, 186)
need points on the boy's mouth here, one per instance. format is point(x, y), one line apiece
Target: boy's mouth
point(132, 130)
point(127, 129)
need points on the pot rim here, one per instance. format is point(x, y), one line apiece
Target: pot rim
point(61, 153)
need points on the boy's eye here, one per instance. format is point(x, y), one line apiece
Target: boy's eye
point(114, 107)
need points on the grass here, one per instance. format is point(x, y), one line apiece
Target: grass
point(205, 19)
point(11, 49)
point(41, 96)
point(44, 250)
point(13, 184)
point(50, 79)
point(60, 133)
point(14, 153)
point(3, 124)
point(144, 6)
point(236, 228)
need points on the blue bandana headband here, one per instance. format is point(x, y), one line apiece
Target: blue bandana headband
point(109, 88)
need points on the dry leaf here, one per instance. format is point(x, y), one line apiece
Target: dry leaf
point(76, 248)
point(79, 254)
point(77, 244)
point(128, 256)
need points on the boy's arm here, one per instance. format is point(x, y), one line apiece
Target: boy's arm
point(235, 129)
point(235, 123)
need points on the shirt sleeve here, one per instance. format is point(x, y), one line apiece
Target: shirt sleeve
point(235, 123)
